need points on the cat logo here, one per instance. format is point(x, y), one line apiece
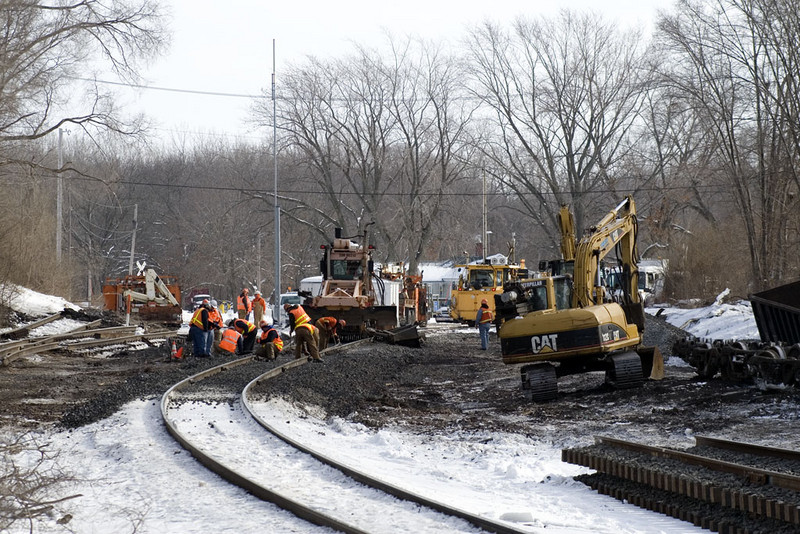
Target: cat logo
point(545, 343)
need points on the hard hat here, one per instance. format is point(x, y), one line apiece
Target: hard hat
point(205, 302)
point(263, 323)
point(258, 292)
point(213, 303)
point(484, 301)
point(342, 323)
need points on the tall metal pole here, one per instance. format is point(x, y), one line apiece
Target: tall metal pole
point(59, 196)
point(277, 303)
point(133, 238)
point(485, 235)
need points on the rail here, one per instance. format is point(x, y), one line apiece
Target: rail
point(709, 490)
point(300, 510)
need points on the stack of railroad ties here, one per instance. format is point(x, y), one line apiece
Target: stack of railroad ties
point(719, 485)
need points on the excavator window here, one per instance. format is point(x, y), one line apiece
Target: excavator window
point(562, 287)
point(538, 298)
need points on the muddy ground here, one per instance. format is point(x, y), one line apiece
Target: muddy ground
point(445, 386)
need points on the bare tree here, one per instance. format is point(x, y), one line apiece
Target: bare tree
point(731, 61)
point(46, 48)
point(562, 93)
point(379, 140)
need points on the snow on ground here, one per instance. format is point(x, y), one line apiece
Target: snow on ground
point(133, 477)
point(33, 303)
point(718, 321)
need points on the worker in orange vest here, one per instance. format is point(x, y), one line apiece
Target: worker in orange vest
point(259, 305)
point(231, 341)
point(306, 334)
point(248, 331)
point(243, 304)
point(216, 324)
point(199, 330)
point(328, 330)
point(270, 343)
point(484, 320)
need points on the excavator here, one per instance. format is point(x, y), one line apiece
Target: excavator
point(564, 324)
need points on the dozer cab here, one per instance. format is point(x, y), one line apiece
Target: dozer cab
point(561, 325)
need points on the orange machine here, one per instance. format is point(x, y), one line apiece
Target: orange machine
point(151, 297)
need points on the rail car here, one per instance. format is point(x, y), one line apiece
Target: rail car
point(771, 362)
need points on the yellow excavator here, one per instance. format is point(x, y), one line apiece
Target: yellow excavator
point(564, 324)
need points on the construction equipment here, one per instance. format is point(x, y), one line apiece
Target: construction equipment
point(478, 281)
point(773, 362)
point(149, 296)
point(561, 324)
point(352, 290)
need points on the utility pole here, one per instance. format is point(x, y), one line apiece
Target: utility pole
point(276, 313)
point(133, 239)
point(485, 235)
point(59, 196)
point(258, 267)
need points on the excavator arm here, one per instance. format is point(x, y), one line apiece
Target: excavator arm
point(616, 230)
point(566, 223)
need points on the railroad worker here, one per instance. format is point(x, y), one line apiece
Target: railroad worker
point(199, 329)
point(231, 342)
point(328, 330)
point(484, 320)
point(248, 331)
point(270, 343)
point(306, 334)
point(243, 304)
point(216, 324)
point(259, 305)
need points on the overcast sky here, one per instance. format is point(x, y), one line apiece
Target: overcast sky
point(226, 47)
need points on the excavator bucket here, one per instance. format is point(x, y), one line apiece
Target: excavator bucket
point(652, 362)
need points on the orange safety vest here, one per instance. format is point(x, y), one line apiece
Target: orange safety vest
point(310, 327)
point(230, 337)
point(243, 303)
point(197, 318)
point(486, 316)
point(299, 316)
point(278, 342)
point(329, 323)
point(215, 317)
point(249, 327)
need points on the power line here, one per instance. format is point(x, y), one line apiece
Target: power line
point(170, 89)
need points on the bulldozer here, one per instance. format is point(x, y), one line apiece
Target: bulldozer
point(564, 324)
point(366, 299)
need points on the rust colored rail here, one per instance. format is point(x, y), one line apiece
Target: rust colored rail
point(736, 486)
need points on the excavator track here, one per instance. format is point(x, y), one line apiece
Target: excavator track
point(539, 382)
point(626, 371)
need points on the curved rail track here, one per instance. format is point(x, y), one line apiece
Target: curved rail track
point(724, 486)
point(381, 499)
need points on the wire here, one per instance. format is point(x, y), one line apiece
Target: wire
point(170, 89)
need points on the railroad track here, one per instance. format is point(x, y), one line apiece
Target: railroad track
point(720, 485)
point(83, 337)
point(285, 468)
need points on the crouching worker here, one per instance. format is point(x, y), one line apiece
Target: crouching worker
point(270, 343)
point(231, 342)
point(248, 331)
point(306, 334)
point(328, 330)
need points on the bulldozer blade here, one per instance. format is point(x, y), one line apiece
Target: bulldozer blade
point(652, 362)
